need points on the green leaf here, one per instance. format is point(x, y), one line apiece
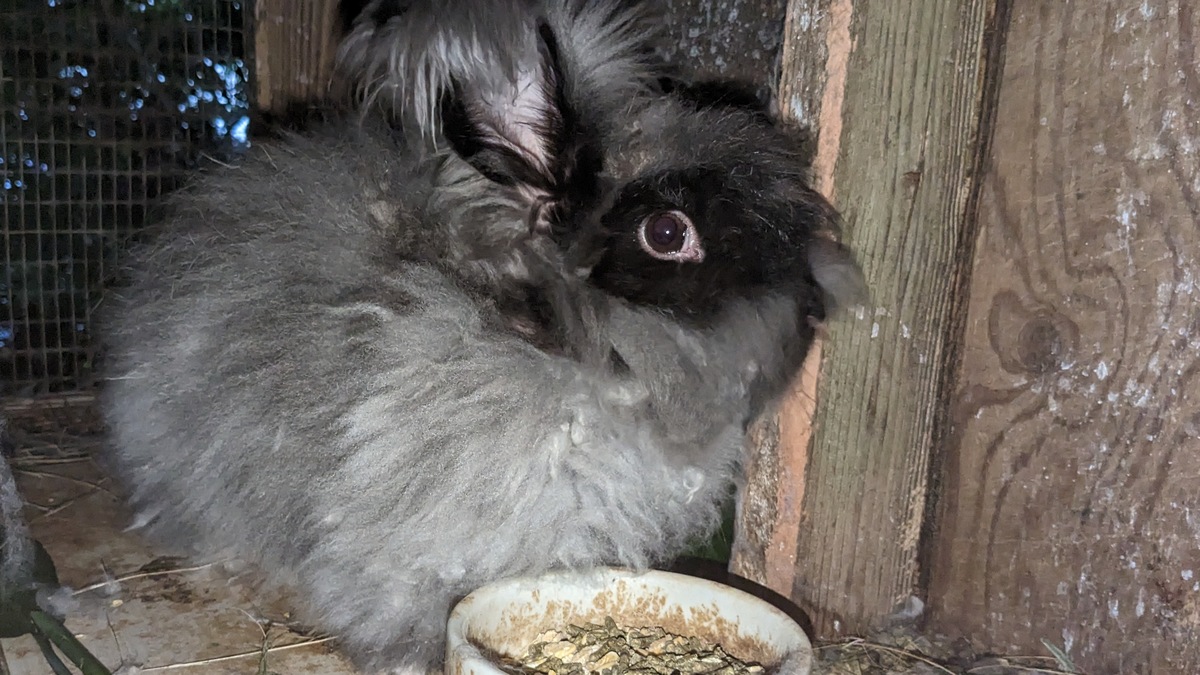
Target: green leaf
point(71, 648)
point(21, 615)
point(56, 663)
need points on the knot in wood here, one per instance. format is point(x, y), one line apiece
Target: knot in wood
point(1041, 346)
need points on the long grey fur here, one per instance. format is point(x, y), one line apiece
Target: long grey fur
point(315, 366)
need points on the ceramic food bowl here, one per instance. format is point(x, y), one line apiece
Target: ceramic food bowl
point(505, 617)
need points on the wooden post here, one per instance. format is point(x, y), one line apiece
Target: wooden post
point(834, 514)
point(1072, 481)
point(295, 42)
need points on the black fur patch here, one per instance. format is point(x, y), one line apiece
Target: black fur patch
point(745, 234)
point(708, 94)
point(529, 314)
point(386, 10)
point(349, 11)
point(618, 363)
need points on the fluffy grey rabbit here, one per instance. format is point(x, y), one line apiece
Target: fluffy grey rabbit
point(521, 324)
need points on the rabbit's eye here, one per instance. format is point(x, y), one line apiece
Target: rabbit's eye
point(671, 236)
point(665, 233)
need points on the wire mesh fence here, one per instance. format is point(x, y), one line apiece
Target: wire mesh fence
point(106, 106)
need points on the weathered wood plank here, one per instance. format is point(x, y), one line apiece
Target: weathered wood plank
point(1072, 482)
point(295, 42)
point(768, 520)
point(895, 92)
point(737, 39)
point(769, 501)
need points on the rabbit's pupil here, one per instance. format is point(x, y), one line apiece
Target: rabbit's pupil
point(666, 234)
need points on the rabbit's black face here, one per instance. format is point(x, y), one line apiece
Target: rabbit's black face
point(683, 197)
point(706, 202)
point(688, 239)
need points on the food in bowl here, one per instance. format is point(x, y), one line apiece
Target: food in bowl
point(611, 649)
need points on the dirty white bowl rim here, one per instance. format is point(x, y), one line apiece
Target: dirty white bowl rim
point(783, 634)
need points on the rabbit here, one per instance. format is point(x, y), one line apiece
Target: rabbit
point(514, 313)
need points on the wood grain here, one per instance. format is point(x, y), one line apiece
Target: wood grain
point(897, 125)
point(295, 42)
point(1071, 507)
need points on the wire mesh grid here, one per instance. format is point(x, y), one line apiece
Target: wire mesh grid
point(107, 105)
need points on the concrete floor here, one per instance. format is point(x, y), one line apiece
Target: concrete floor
point(173, 617)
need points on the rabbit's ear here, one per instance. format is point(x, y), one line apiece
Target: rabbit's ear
point(516, 131)
point(403, 54)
